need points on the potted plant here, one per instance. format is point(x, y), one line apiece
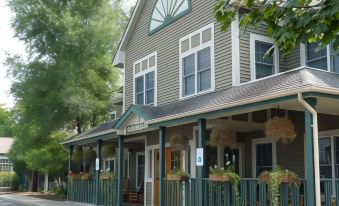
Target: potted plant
point(107, 176)
point(108, 150)
point(275, 178)
point(77, 154)
point(281, 129)
point(179, 142)
point(223, 136)
point(86, 176)
point(89, 155)
point(177, 175)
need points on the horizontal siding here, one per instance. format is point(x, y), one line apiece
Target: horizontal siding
point(166, 43)
point(148, 193)
point(292, 60)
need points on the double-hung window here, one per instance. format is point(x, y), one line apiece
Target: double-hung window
point(197, 62)
point(324, 59)
point(263, 65)
point(145, 80)
point(263, 155)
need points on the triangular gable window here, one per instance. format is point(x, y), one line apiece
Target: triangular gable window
point(167, 11)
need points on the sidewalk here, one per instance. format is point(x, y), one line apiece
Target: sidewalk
point(32, 201)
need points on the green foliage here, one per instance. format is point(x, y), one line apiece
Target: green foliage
point(108, 175)
point(77, 155)
point(274, 179)
point(68, 79)
point(289, 22)
point(108, 150)
point(9, 178)
point(178, 172)
point(6, 123)
point(89, 155)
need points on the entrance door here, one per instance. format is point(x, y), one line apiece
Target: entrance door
point(168, 157)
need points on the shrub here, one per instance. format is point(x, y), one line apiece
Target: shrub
point(8, 179)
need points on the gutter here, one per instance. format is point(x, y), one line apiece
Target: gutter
point(315, 145)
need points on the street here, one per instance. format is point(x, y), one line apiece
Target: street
point(7, 203)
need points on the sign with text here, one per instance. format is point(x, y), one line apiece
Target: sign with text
point(200, 157)
point(97, 164)
point(135, 127)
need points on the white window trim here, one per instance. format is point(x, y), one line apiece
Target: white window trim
point(330, 134)
point(303, 59)
point(254, 157)
point(257, 37)
point(143, 73)
point(136, 166)
point(194, 51)
point(115, 113)
point(235, 51)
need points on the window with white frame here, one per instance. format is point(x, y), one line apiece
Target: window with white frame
point(264, 155)
point(197, 62)
point(145, 80)
point(324, 59)
point(263, 65)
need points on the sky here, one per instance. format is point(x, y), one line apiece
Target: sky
point(11, 45)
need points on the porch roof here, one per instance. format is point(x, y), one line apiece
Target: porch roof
point(280, 87)
point(102, 131)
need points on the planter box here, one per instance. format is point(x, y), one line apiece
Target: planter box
point(264, 178)
point(287, 179)
point(219, 178)
point(180, 178)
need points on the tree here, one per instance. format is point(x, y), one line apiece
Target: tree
point(68, 79)
point(6, 123)
point(289, 22)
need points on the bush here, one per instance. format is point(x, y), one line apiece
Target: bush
point(8, 179)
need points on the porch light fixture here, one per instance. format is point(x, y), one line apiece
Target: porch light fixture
point(281, 129)
point(179, 142)
point(223, 136)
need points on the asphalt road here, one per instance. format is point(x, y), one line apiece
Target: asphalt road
point(6, 203)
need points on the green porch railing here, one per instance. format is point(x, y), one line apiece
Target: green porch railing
point(251, 193)
point(83, 191)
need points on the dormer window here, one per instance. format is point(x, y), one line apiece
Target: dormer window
point(167, 11)
point(197, 62)
point(145, 80)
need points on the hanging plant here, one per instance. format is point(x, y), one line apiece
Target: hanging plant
point(108, 150)
point(89, 155)
point(179, 142)
point(281, 129)
point(223, 136)
point(77, 154)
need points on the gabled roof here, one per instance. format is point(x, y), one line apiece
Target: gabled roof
point(119, 56)
point(311, 80)
point(142, 111)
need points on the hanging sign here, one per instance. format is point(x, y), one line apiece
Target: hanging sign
point(200, 157)
point(97, 164)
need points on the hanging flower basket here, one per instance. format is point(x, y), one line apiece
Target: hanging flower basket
point(77, 154)
point(179, 142)
point(108, 151)
point(223, 136)
point(89, 155)
point(281, 129)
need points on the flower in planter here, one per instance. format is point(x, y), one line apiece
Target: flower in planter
point(280, 128)
point(177, 175)
point(86, 176)
point(179, 142)
point(107, 176)
point(223, 136)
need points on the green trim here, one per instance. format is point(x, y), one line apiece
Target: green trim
point(168, 19)
point(92, 140)
point(130, 110)
point(206, 115)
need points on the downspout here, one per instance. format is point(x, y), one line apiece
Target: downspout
point(315, 145)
